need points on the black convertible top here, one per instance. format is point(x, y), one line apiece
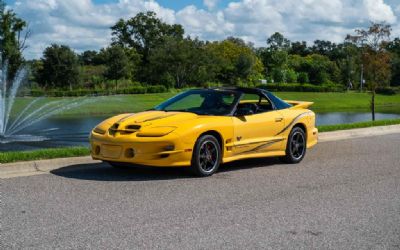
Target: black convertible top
point(276, 101)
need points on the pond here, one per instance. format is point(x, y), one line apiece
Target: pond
point(74, 131)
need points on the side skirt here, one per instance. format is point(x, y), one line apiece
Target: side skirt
point(254, 155)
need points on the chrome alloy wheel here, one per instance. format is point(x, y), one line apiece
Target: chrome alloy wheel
point(297, 146)
point(208, 156)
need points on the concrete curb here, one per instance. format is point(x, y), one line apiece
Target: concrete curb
point(358, 132)
point(30, 168)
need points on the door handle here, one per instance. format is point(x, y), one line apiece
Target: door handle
point(279, 119)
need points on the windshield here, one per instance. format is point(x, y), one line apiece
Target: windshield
point(202, 102)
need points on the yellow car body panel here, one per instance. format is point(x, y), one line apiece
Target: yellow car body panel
point(167, 139)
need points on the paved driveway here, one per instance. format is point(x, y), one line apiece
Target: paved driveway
point(344, 195)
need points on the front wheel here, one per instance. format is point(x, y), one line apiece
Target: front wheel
point(296, 146)
point(206, 156)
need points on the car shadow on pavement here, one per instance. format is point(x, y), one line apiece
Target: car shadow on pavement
point(104, 172)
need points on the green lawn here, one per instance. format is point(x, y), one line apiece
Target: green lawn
point(323, 102)
point(334, 102)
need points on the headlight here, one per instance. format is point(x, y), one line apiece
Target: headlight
point(98, 130)
point(155, 132)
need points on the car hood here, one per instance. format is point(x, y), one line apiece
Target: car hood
point(156, 122)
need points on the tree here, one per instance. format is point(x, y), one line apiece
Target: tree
point(278, 42)
point(299, 48)
point(60, 67)
point(179, 62)
point(348, 64)
point(375, 57)
point(394, 48)
point(323, 47)
point(13, 35)
point(319, 69)
point(275, 57)
point(234, 62)
point(120, 63)
point(91, 57)
point(144, 32)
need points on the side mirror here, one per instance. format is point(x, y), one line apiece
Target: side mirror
point(244, 112)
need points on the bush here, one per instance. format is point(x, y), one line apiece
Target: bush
point(303, 78)
point(385, 91)
point(211, 84)
point(291, 76)
point(302, 87)
point(156, 89)
point(99, 92)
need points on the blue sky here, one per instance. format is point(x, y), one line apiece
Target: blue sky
point(84, 24)
point(176, 5)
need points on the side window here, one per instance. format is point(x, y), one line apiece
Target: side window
point(264, 105)
point(261, 104)
point(250, 97)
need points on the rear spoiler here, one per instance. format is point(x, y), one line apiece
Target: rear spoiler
point(299, 104)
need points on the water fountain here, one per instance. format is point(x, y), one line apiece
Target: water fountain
point(38, 109)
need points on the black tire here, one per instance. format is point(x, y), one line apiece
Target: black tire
point(296, 146)
point(119, 165)
point(206, 156)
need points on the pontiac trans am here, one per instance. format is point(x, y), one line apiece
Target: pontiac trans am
point(202, 128)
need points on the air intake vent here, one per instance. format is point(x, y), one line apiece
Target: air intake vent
point(133, 127)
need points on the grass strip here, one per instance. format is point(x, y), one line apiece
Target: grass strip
point(327, 128)
point(41, 154)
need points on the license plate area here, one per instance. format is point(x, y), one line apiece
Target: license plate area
point(111, 151)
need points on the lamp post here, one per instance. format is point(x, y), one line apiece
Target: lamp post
point(362, 77)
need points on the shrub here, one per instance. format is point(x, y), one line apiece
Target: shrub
point(303, 78)
point(302, 87)
point(156, 89)
point(385, 91)
point(291, 76)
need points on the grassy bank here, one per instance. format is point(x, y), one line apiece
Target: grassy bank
point(8, 157)
point(327, 128)
point(323, 102)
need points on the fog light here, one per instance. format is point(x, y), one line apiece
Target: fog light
point(97, 150)
point(169, 148)
point(129, 153)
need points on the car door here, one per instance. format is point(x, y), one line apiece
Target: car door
point(258, 132)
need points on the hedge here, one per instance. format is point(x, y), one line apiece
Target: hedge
point(295, 87)
point(291, 87)
point(87, 92)
point(385, 91)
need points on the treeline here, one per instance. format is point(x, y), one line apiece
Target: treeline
point(146, 52)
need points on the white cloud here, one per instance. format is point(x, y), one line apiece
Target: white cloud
point(210, 4)
point(203, 24)
point(83, 25)
point(378, 11)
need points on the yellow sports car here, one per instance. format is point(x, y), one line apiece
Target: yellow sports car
point(202, 128)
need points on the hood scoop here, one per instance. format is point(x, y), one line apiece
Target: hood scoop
point(128, 129)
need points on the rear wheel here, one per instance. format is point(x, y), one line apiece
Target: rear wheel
point(296, 146)
point(206, 156)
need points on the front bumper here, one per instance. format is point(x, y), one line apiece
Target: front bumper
point(166, 151)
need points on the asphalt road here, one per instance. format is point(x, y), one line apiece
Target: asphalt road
point(344, 195)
